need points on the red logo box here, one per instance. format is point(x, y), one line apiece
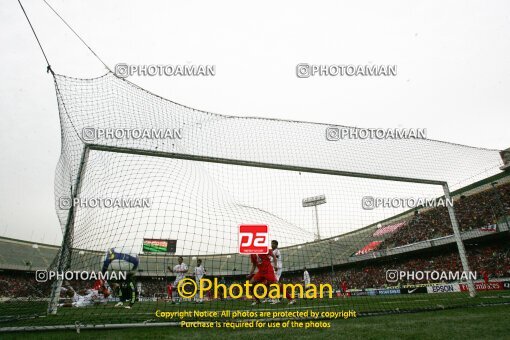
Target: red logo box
point(253, 239)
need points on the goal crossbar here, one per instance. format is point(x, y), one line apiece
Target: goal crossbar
point(154, 153)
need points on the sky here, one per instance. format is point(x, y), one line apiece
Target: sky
point(452, 58)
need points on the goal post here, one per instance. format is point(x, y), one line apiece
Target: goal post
point(232, 162)
point(458, 240)
point(63, 258)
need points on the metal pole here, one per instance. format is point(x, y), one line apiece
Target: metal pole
point(164, 154)
point(64, 259)
point(317, 222)
point(331, 261)
point(458, 239)
point(63, 262)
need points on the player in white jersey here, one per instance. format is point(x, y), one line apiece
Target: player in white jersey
point(87, 299)
point(199, 274)
point(180, 271)
point(139, 288)
point(278, 266)
point(84, 297)
point(306, 278)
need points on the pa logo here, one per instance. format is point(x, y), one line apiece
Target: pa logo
point(253, 239)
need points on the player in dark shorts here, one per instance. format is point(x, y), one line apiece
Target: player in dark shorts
point(126, 291)
point(265, 272)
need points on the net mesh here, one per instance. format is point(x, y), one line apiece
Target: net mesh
point(206, 174)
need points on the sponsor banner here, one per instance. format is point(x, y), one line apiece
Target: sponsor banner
point(428, 288)
point(415, 290)
point(362, 292)
point(489, 228)
point(417, 285)
point(358, 293)
point(145, 299)
point(484, 286)
point(388, 291)
point(373, 292)
point(420, 285)
point(446, 288)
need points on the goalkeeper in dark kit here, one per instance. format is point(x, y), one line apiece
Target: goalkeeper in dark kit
point(126, 291)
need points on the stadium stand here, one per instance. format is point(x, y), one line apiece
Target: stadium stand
point(476, 208)
point(474, 212)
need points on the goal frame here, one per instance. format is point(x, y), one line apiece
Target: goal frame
point(64, 255)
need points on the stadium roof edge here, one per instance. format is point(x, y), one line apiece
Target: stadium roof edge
point(457, 192)
point(13, 240)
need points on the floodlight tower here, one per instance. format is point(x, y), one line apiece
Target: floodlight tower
point(314, 202)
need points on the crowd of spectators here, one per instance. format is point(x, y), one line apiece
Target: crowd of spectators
point(472, 212)
point(22, 284)
point(493, 259)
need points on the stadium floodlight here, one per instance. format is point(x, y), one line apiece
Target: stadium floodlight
point(314, 202)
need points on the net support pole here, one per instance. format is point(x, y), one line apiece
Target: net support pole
point(64, 257)
point(63, 261)
point(458, 239)
point(331, 261)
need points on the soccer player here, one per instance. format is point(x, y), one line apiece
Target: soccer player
point(139, 289)
point(84, 297)
point(199, 274)
point(306, 278)
point(265, 272)
point(344, 288)
point(222, 290)
point(486, 279)
point(126, 291)
point(278, 266)
point(180, 271)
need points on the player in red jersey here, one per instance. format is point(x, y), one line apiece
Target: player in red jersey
point(265, 272)
point(169, 292)
point(344, 288)
point(98, 284)
point(486, 279)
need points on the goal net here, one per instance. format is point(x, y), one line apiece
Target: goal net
point(365, 217)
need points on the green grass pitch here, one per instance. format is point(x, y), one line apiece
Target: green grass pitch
point(483, 316)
